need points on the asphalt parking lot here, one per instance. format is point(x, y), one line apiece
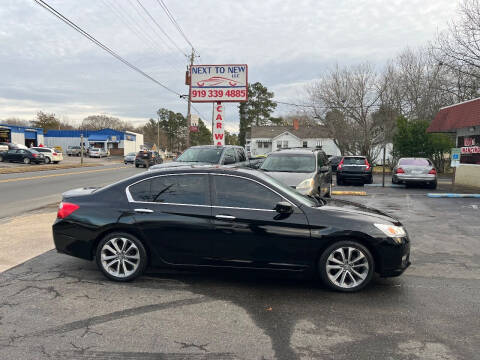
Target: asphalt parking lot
point(59, 307)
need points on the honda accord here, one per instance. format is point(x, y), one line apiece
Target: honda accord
point(205, 216)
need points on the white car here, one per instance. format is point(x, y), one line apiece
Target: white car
point(97, 152)
point(51, 155)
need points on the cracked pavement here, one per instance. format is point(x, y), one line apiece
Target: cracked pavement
point(58, 307)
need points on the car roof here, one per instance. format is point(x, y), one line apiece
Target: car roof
point(296, 151)
point(354, 156)
point(214, 146)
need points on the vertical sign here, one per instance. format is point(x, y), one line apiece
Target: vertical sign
point(218, 123)
point(194, 123)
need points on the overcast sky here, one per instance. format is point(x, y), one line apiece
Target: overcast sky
point(45, 65)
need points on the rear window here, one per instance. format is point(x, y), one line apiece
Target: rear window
point(415, 162)
point(354, 161)
point(289, 163)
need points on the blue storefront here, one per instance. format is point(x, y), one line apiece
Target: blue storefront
point(23, 135)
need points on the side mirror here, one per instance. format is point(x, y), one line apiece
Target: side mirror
point(228, 160)
point(284, 207)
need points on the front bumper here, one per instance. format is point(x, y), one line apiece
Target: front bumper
point(393, 259)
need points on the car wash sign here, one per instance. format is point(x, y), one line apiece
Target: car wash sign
point(218, 123)
point(224, 83)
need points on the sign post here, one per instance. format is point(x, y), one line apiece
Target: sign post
point(218, 84)
point(455, 161)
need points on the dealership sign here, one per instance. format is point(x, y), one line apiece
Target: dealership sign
point(218, 130)
point(194, 122)
point(471, 150)
point(224, 83)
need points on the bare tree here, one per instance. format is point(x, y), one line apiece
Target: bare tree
point(458, 48)
point(344, 100)
point(98, 122)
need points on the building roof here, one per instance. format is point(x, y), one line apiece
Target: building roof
point(456, 116)
point(304, 132)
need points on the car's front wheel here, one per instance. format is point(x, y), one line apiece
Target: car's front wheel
point(346, 266)
point(47, 160)
point(121, 257)
point(26, 161)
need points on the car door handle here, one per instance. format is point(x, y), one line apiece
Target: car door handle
point(145, 211)
point(225, 217)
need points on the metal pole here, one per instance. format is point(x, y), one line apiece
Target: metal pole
point(81, 149)
point(158, 134)
point(192, 56)
point(383, 167)
point(213, 114)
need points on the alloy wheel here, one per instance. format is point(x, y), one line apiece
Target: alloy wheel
point(26, 161)
point(120, 257)
point(347, 267)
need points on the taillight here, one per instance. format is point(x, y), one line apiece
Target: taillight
point(400, 171)
point(367, 165)
point(65, 209)
point(54, 154)
point(433, 172)
point(34, 155)
point(339, 167)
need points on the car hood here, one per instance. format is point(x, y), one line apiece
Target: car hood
point(358, 211)
point(172, 164)
point(290, 178)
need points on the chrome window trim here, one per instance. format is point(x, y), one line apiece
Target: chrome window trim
point(131, 200)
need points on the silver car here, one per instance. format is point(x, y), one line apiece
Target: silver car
point(306, 170)
point(129, 158)
point(415, 170)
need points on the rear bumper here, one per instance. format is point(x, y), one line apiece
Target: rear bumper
point(415, 179)
point(354, 176)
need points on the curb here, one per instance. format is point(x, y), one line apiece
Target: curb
point(388, 185)
point(453, 195)
point(358, 193)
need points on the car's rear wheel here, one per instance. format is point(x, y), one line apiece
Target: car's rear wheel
point(136, 165)
point(47, 160)
point(1, 158)
point(121, 257)
point(433, 185)
point(339, 181)
point(346, 266)
point(26, 161)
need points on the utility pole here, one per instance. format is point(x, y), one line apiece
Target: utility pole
point(81, 149)
point(192, 57)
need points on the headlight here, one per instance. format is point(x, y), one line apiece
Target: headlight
point(391, 230)
point(306, 186)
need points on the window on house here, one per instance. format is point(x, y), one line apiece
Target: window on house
point(285, 144)
point(305, 144)
point(279, 144)
point(259, 144)
point(318, 143)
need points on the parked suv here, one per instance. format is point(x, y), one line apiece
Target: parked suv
point(354, 168)
point(147, 158)
point(208, 155)
point(51, 155)
point(97, 152)
point(306, 170)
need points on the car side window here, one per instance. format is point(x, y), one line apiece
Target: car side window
point(241, 155)
point(320, 161)
point(243, 193)
point(177, 189)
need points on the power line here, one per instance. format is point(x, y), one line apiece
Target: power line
point(101, 45)
point(174, 22)
point(161, 29)
point(326, 107)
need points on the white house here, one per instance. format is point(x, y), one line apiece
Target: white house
point(264, 139)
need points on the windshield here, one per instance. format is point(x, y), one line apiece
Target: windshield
point(131, 154)
point(415, 162)
point(354, 161)
point(304, 200)
point(207, 155)
point(289, 163)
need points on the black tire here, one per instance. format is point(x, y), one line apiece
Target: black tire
point(47, 160)
point(142, 261)
point(394, 181)
point(359, 248)
point(370, 180)
point(1, 158)
point(136, 165)
point(433, 185)
point(339, 181)
point(26, 161)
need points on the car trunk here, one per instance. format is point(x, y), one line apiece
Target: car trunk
point(415, 169)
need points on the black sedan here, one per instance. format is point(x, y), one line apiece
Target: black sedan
point(354, 168)
point(23, 155)
point(227, 218)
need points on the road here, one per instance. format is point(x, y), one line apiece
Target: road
point(58, 307)
point(27, 191)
